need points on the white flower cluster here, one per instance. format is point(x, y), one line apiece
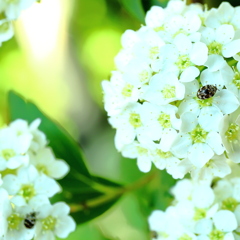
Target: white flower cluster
point(29, 169)
point(174, 97)
point(9, 11)
point(200, 212)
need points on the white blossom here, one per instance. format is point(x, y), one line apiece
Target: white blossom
point(46, 163)
point(202, 211)
point(13, 149)
point(29, 185)
point(6, 31)
point(195, 142)
point(54, 220)
point(14, 8)
point(230, 132)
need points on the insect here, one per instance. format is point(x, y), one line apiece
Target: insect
point(30, 220)
point(206, 92)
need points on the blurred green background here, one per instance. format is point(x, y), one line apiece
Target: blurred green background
point(61, 52)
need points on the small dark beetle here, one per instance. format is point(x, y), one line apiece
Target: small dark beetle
point(30, 220)
point(206, 92)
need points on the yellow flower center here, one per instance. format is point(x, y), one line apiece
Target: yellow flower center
point(232, 133)
point(230, 204)
point(135, 120)
point(198, 135)
point(14, 221)
point(27, 191)
point(169, 91)
point(164, 120)
point(216, 235)
point(8, 153)
point(127, 90)
point(48, 223)
point(215, 48)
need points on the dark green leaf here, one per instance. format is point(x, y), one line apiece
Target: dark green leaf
point(161, 3)
point(135, 8)
point(106, 182)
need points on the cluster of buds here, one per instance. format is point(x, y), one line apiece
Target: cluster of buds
point(175, 95)
point(29, 169)
point(10, 11)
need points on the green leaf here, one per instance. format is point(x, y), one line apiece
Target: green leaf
point(60, 141)
point(90, 213)
point(91, 195)
point(135, 8)
point(158, 192)
point(161, 3)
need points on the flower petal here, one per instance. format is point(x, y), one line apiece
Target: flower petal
point(210, 118)
point(224, 96)
point(199, 154)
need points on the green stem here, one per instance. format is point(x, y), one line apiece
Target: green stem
point(97, 186)
point(113, 195)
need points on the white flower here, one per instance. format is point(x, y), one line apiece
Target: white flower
point(217, 166)
point(14, 8)
point(218, 73)
point(166, 160)
point(137, 72)
point(182, 190)
point(129, 39)
point(210, 110)
point(23, 130)
point(155, 17)
point(183, 57)
point(225, 221)
point(45, 162)
point(6, 31)
point(118, 93)
point(54, 220)
point(161, 122)
point(203, 228)
point(230, 133)
point(163, 224)
point(140, 151)
point(176, 7)
point(123, 58)
point(39, 140)
point(13, 221)
point(223, 190)
point(129, 124)
point(163, 89)
point(224, 14)
point(220, 41)
point(188, 23)
point(148, 48)
point(13, 149)
point(195, 142)
point(233, 84)
point(28, 185)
